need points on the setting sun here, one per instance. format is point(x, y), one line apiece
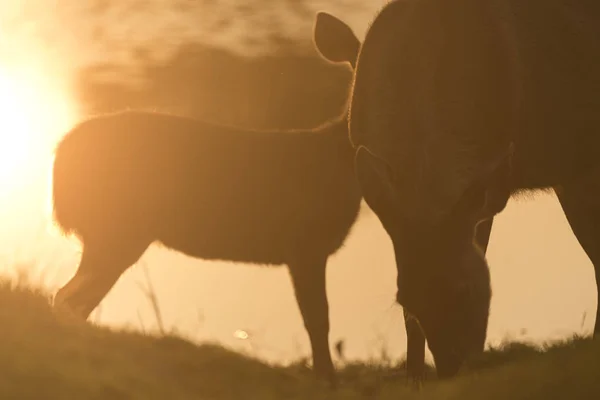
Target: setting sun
point(32, 115)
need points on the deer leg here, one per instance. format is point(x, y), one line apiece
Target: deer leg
point(415, 349)
point(581, 205)
point(101, 265)
point(308, 278)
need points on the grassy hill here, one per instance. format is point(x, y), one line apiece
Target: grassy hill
point(46, 355)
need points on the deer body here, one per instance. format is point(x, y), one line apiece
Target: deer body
point(558, 137)
point(126, 180)
point(209, 191)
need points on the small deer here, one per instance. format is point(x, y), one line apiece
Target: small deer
point(123, 181)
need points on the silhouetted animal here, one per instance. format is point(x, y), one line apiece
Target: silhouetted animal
point(334, 35)
point(456, 106)
point(123, 181)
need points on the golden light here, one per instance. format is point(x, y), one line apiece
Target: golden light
point(34, 112)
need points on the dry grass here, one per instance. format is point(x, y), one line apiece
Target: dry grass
point(49, 355)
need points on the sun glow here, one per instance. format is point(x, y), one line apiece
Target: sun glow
point(36, 110)
point(33, 114)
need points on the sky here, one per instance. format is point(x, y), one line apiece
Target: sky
point(543, 284)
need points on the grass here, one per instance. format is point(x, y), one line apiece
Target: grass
point(47, 355)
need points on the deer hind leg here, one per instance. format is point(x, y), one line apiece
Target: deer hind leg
point(415, 338)
point(308, 277)
point(581, 205)
point(102, 263)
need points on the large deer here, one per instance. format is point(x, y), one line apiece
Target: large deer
point(335, 34)
point(126, 180)
point(457, 106)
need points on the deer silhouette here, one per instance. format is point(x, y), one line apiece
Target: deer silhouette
point(455, 108)
point(125, 180)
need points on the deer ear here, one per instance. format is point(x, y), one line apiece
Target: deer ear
point(375, 178)
point(334, 40)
